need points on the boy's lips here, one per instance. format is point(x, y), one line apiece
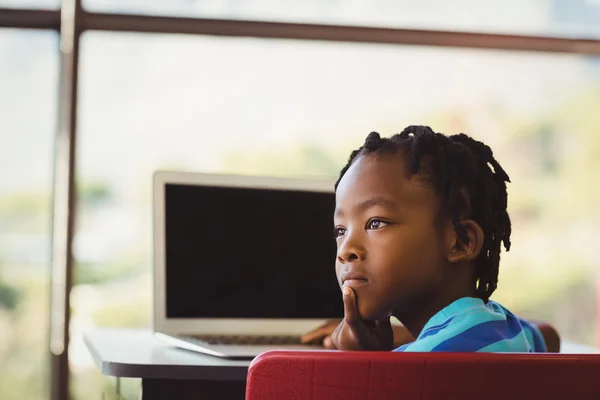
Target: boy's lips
point(353, 279)
point(355, 282)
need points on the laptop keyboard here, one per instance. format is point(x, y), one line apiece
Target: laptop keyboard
point(244, 340)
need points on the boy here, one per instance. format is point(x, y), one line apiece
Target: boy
point(419, 221)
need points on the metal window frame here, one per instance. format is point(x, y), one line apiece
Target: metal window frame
point(51, 19)
point(71, 21)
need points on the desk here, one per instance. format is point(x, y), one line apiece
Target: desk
point(167, 372)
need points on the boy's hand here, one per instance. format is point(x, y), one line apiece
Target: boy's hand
point(322, 334)
point(355, 334)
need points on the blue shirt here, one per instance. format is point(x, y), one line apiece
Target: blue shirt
point(469, 325)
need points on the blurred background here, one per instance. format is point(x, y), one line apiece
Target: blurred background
point(293, 108)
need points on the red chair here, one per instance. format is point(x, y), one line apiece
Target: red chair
point(333, 375)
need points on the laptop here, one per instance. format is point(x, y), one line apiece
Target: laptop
point(242, 264)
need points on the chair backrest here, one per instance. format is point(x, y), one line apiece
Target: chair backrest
point(550, 335)
point(332, 375)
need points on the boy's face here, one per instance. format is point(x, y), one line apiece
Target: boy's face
point(391, 243)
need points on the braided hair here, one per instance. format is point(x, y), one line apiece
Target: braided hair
point(471, 183)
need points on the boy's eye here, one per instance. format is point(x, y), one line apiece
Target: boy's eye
point(338, 231)
point(376, 224)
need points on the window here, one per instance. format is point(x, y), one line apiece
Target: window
point(570, 18)
point(38, 4)
point(29, 79)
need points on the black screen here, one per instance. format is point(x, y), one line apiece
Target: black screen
point(250, 253)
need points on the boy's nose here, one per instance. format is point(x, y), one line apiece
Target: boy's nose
point(349, 251)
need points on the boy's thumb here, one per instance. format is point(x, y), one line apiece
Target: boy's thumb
point(350, 311)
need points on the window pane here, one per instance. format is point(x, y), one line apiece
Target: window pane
point(43, 4)
point(28, 78)
point(548, 17)
point(289, 108)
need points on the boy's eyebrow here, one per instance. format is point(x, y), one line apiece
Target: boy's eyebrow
point(373, 202)
point(376, 201)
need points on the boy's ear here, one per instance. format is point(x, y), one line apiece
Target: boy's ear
point(460, 251)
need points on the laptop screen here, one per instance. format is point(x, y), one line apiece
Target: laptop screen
point(250, 253)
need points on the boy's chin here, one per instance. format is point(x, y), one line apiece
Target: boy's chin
point(368, 314)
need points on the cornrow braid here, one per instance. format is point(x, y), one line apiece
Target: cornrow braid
point(471, 183)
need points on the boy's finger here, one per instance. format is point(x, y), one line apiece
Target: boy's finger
point(320, 332)
point(350, 308)
point(384, 324)
point(335, 338)
point(312, 336)
point(386, 333)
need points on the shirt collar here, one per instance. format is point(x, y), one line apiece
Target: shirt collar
point(446, 314)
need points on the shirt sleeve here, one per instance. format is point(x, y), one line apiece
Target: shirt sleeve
point(534, 337)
